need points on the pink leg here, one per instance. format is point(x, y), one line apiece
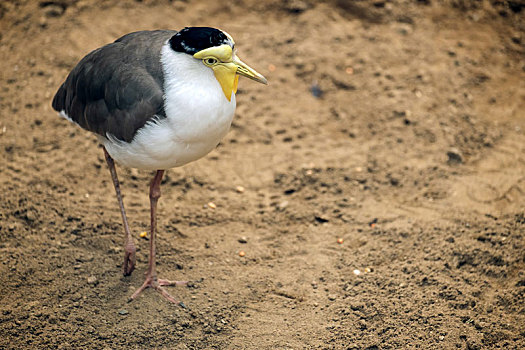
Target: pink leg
point(129, 245)
point(151, 274)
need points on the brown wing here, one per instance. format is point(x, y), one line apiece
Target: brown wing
point(117, 88)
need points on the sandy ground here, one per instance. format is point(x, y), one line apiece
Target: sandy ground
point(397, 126)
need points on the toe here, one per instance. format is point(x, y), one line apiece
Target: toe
point(163, 282)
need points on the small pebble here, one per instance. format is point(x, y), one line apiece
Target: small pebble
point(243, 240)
point(340, 240)
point(92, 280)
point(211, 205)
point(143, 234)
point(123, 312)
point(31, 215)
point(454, 157)
point(239, 189)
point(357, 272)
point(332, 297)
point(242, 253)
point(316, 90)
point(53, 10)
point(282, 205)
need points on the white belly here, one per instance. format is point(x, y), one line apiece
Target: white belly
point(198, 117)
point(169, 143)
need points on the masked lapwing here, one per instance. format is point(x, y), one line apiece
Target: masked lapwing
point(156, 100)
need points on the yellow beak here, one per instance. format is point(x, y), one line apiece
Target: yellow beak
point(228, 69)
point(245, 70)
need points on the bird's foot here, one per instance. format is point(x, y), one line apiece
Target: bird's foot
point(129, 261)
point(157, 284)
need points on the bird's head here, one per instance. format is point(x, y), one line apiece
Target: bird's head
point(216, 50)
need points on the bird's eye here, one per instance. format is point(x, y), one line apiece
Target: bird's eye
point(210, 61)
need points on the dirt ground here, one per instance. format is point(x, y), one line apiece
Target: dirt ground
point(396, 126)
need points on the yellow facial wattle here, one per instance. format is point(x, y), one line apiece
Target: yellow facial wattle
point(226, 74)
point(235, 84)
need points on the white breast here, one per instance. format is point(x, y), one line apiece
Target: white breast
point(198, 117)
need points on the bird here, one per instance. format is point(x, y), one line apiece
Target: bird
point(156, 100)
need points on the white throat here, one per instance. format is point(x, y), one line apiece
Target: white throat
point(193, 98)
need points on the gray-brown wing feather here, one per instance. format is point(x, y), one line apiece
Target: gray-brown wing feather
point(117, 88)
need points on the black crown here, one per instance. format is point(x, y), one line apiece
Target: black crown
point(191, 40)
